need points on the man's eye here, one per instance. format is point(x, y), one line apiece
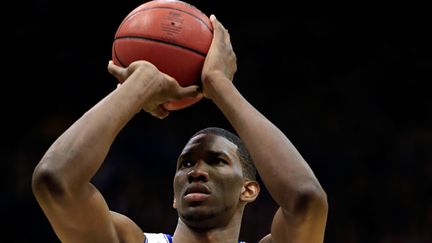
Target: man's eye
point(222, 161)
point(219, 161)
point(186, 164)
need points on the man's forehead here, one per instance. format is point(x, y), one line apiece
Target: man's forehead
point(211, 142)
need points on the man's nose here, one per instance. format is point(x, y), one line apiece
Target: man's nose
point(198, 173)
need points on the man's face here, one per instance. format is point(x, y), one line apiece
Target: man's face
point(208, 181)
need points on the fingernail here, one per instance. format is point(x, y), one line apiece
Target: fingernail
point(212, 17)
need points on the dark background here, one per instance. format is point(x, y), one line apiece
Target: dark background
point(347, 84)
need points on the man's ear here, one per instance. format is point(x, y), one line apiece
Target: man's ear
point(250, 191)
point(174, 204)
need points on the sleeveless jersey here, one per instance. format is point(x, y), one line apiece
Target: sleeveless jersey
point(161, 238)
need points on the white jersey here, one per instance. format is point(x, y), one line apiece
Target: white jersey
point(161, 238)
point(157, 238)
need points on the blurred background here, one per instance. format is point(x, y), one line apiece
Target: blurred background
point(347, 84)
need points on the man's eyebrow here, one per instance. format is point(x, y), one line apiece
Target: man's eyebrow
point(184, 155)
point(219, 154)
point(209, 153)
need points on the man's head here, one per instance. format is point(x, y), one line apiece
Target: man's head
point(248, 167)
point(214, 180)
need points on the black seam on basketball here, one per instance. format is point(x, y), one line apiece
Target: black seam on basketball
point(162, 42)
point(144, 9)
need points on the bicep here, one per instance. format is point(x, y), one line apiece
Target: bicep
point(82, 218)
point(291, 228)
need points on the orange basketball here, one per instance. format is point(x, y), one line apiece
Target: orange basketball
point(173, 35)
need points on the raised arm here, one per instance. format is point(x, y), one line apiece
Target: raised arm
point(303, 203)
point(61, 180)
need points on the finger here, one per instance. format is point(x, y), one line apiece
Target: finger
point(189, 91)
point(160, 112)
point(218, 29)
point(220, 32)
point(116, 71)
point(216, 23)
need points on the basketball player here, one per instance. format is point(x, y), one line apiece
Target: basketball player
point(214, 179)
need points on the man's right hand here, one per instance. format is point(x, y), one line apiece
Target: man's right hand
point(157, 88)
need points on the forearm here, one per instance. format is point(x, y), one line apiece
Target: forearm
point(77, 154)
point(283, 170)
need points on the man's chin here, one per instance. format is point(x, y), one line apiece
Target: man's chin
point(198, 217)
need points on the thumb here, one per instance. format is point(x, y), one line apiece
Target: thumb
point(117, 71)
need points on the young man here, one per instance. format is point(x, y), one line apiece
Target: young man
point(213, 180)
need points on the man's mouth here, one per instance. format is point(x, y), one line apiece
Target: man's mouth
point(196, 192)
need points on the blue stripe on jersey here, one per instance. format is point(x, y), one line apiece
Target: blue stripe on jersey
point(168, 237)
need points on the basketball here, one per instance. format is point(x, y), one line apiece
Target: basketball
point(173, 35)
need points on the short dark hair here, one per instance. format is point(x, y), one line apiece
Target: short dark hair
point(248, 166)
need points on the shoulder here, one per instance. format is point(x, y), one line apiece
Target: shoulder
point(266, 239)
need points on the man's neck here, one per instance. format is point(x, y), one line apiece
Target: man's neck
point(225, 234)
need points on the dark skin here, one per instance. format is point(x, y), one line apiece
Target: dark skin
point(210, 161)
point(211, 211)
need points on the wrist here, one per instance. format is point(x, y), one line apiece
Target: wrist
point(217, 87)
